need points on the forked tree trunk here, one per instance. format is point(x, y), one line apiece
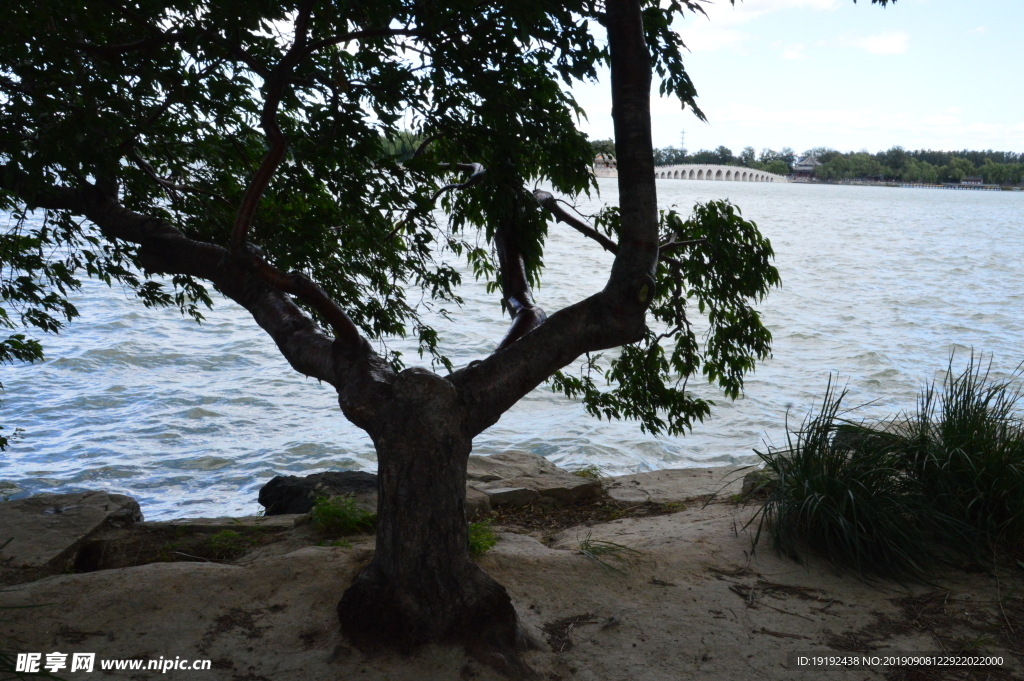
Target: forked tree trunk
point(421, 586)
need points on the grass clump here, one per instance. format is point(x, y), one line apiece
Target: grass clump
point(896, 498)
point(966, 446)
point(854, 506)
point(590, 472)
point(594, 549)
point(481, 538)
point(340, 515)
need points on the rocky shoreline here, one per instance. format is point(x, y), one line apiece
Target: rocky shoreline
point(84, 532)
point(682, 595)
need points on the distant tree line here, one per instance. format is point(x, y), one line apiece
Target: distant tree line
point(923, 165)
point(769, 160)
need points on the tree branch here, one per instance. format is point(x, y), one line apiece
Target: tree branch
point(275, 86)
point(615, 316)
point(515, 284)
point(673, 245)
point(170, 185)
point(548, 201)
point(362, 377)
point(476, 177)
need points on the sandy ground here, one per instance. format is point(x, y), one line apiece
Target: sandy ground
point(691, 602)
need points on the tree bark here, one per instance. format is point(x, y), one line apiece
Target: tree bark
point(421, 586)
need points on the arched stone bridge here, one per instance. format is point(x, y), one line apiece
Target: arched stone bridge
point(701, 171)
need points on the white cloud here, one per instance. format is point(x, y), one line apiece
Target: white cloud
point(940, 120)
point(980, 29)
point(707, 39)
point(713, 32)
point(722, 12)
point(794, 52)
point(890, 42)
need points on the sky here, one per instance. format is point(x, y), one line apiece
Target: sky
point(921, 74)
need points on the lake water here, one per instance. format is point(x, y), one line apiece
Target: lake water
point(879, 286)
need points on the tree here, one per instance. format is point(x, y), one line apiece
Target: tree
point(894, 159)
point(748, 156)
point(263, 150)
point(957, 169)
point(669, 156)
point(919, 171)
point(723, 155)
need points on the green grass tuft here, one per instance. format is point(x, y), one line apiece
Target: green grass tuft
point(340, 515)
point(481, 538)
point(854, 506)
point(594, 548)
point(969, 454)
point(897, 498)
point(590, 472)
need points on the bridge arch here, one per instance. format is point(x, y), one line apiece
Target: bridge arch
point(691, 174)
point(718, 175)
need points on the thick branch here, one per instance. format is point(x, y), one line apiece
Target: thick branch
point(515, 284)
point(275, 86)
point(361, 377)
point(615, 316)
point(631, 113)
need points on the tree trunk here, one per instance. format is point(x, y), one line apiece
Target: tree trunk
point(421, 586)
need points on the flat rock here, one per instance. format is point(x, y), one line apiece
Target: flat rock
point(276, 522)
point(289, 494)
point(560, 488)
point(45, 530)
point(508, 465)
point(503, 495)
point(677, 485)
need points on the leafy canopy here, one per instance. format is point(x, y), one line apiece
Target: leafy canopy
point(160, 103)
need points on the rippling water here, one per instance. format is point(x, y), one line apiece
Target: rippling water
point(879, 286)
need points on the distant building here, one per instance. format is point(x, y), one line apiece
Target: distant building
point(805, 167)
point(972, 179)
point(605, 166)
